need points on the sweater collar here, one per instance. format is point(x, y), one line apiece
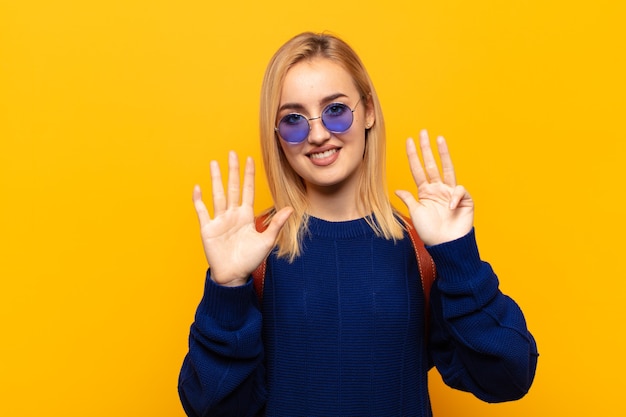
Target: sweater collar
point(339, 230)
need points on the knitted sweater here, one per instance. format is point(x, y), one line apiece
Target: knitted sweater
point(341, 332)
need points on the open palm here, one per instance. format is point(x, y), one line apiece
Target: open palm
point(232, 246)
point(444, 211)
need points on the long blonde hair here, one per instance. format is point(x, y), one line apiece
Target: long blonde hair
point(286, 186)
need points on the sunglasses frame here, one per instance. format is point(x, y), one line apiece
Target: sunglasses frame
point(308, 120)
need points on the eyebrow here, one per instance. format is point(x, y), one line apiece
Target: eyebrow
point(299, 107)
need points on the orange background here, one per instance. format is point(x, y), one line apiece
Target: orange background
point(110, 112)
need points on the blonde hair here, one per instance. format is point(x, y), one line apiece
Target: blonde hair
point(286, 186)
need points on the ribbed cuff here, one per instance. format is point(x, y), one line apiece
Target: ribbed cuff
point(457, 260)
point(226, 304)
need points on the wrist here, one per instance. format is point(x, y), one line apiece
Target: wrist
point(226, 281)
point(233, 283)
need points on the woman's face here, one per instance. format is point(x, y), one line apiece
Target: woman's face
point(324, 160)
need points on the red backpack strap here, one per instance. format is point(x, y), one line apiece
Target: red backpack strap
point(258, 275)
point(425, 263)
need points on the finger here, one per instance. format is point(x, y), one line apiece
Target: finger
point(449, 177)
point(278, 221)
point(233, 180)
point(417, 171)
point(248, 183)
point(408, 199)
point(430, 165)
point(459, 193)
point(219, 200)
point(201, 211)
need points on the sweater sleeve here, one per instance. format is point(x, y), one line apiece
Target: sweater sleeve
point(479, 340)
point(222, 373)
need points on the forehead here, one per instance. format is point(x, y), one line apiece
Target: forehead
point(310, 81)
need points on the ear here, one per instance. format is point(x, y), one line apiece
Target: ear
point(370, 114)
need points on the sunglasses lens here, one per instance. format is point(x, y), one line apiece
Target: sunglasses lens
point(293, 128)
point(337, 117)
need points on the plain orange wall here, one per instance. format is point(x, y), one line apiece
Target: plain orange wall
point(110, 112)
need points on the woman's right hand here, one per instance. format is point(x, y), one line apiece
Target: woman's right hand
point(232, 246)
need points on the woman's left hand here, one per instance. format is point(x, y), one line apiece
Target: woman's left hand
point(444, 210)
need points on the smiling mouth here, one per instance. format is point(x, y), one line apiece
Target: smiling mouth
point(322, 155)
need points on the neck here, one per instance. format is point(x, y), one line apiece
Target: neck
point(332, 205)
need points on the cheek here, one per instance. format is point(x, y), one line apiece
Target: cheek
point(360, 146)
point(290, 152)
point(358, 138)
point(287, 149)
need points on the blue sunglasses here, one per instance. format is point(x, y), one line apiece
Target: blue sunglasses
point(336, 117)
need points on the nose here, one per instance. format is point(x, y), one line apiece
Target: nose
point(318, 133)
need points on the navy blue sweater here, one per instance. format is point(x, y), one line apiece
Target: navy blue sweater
point(341, 332)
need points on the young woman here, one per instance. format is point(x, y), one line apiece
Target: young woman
point(341, 327)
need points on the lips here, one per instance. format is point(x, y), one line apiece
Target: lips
point(324, 157)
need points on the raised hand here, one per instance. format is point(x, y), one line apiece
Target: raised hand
point(232, 246)
point(444, 210)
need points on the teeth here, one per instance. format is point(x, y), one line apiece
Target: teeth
point(322, 155)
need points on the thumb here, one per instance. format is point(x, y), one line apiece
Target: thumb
point(407, 198)
point(278, 221)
